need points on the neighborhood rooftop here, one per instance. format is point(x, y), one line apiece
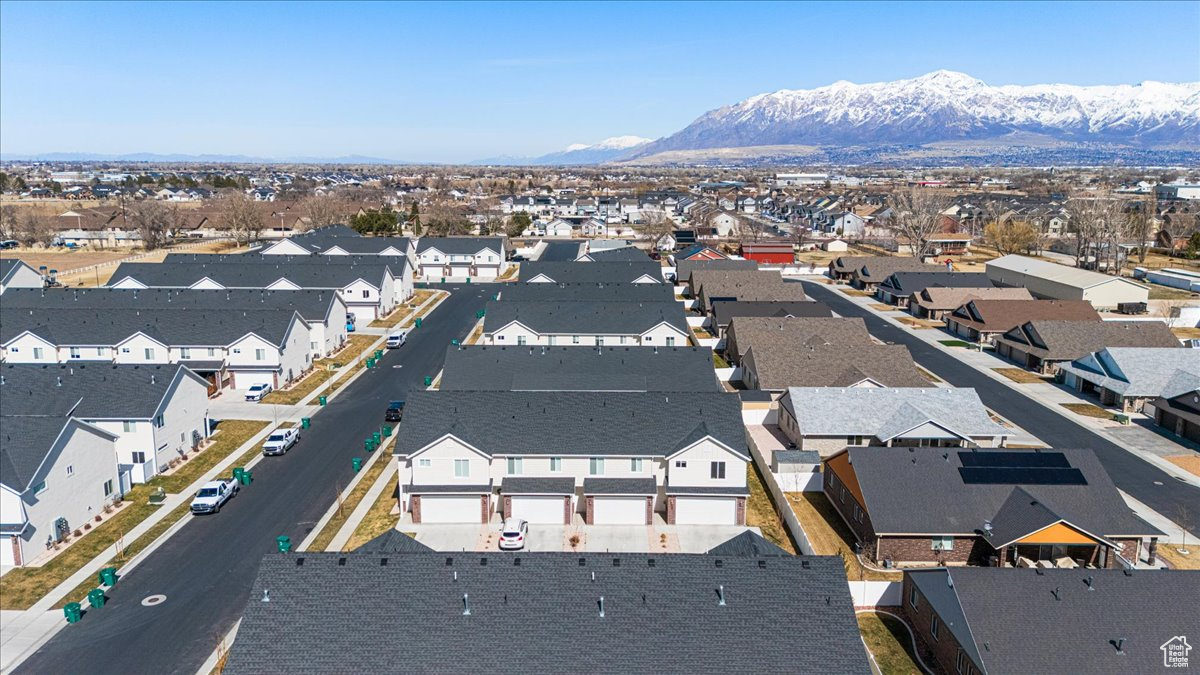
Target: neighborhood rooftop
point(594, 272)
point(604, 292)
point(888, 412)
point(585, 318)
point(88, 326)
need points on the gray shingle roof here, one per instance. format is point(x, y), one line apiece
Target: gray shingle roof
point(602, 292)
point(532, 423)
point(451, 489)
point(393, 541)
point(330, 271)
point(625, 253)
point(25, 441)
point(619, 486)
point(876, 269)
point(921, 491)
point(725, 310)
point(946, 299)
point(1068, 340)
point(779, 366)
point(536, 485)
point(1003, 315)
point(491, 368)
point(907, 283)
point(704, 490)
point(865, 411)
point(747, 331)
point(313, 305)
point(585, 318)
point(461, 245)
point(1059, 621)
point(750, 545)
point(661, 614)
point(593, 272)
point(91, 391)
point(108, 327)
point(561, 251)
point(684, 268)
point(1141, 372)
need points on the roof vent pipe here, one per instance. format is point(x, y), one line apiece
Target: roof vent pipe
point(601, 603)
point(466, 605)
point(721, 595)
point(1090, 581)
point(266, 595)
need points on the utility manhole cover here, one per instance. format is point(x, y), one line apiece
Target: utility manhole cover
point(152, 600)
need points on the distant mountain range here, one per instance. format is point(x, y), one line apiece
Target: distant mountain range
point(606, 150)
point(184, 158)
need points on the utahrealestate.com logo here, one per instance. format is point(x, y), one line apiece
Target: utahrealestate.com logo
point(1175, 652)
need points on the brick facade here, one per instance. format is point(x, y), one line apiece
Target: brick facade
point(416, 508)
point(944, 649)
point(740, 511)
point(589, 510)
point(485, 508)
point(670, 509)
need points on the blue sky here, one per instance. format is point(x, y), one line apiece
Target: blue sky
point(455, 82)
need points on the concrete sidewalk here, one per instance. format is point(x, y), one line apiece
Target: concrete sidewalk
point(23, 632)
point(1145, 444)
point(385, 480)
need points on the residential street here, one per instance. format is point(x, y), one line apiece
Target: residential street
point(206, 570)
point(1131, 474)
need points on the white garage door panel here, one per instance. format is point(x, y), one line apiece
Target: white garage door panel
point(705, 511)
point(363, 314)
point(619, 511)
point(6, 552)
point(541, 510)
point(446, 509)
point(247, 380)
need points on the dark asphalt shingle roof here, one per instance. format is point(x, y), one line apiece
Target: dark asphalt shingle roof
point(313, 305)
point(511, 368)
point(602, 292)
point(704, 490)
point(929, 495)
point(748, 545)
point(781, 365)
point(619, 486)
point(1059, 621)
point(876, 269)
point(108, 327)
point(625, 253)
point(585, 318)
point(536, 485)
point(1069, 340)
point(747, 331)
point(1004, 315)
point(25, 441)
point(315, 273)
point(907, 283)
point(481, 488)
point(337, 613)
point(570, 423)
point(87, 390)
point(461, 245)
point(684, 268)
point(393, 541)
point(561, 251)
point(593, 272)
point(725, 310)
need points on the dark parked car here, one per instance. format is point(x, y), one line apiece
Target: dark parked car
point(395, 411)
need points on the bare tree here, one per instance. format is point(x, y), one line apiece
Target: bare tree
point(442, 219)
point(917, 215)
point(1095, 223)
point(155, 222)
point(656, 225)
point(1141, 225)
point(241, 218)
point(318, 211)
point(9, 222)
point(1009, 235)
point(34, 228)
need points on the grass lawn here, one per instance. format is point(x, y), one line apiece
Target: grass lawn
point(356, 495)
point(232, 434)
point(420, 295)
point(955, 343)
point(880, 307)
point(1088, 410)
point(379, 519)
point(356, 346)
point(1158, 292)
point(857, 293)
point(918, 324)
point(830, 536)
point(1186, 333)
point(719, 361)
point(761, 513)
point(408, 323)
point(475, 336)
point(1020, 375)
point(1178, 560)
point(889, 643)
point(929, 376)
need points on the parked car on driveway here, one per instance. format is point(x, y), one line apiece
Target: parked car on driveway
point(513, 534)
point(9, 243)
point(258, 391)
point(394, 412)
point(213, 495)
point(280, 441)
point(395, 340)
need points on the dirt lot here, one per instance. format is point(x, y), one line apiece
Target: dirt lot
point(71, 263)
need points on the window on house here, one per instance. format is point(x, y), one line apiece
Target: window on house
point(635, 465)
point(424, 463)
point(912, 597)
point(599, 341)
point(124, 350)
point(574, 339)
point(139, 457)
point(185, 353)
point(717, 470)
point(149, 351)
point(622, 339)
point(520, 340)
point(596, 466)
point(462, 468)
point(70, 469)
point(556, 464)
point(312, 346)
point(127, 425)
point(212, 351)
point(934, 626)
point(943, 543)
point(108, 488)
point(670, 342)
point(960, 662)
point(854, 440)
point(857, 513)
point(39, 488)
point(680, 464)
point(515, 466)
point(260, 354)
point(37, 352)
point(237, 351)
point(101, 351)
point(648, 339)
point(366, 294)
point(158, 422)
point(75, 354)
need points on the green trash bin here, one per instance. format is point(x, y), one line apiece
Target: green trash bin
point(428, 381)
point(377, 437)
point(96, 598)
point(239, 475)
point(369, 445)
point(73, 611)
point(418, 322)
point(370, 363)
point(356, 462)
point(284, 543)
point(387, 430)
point(378, 354)
point(247, 477)
point(108, 576)
point(305, 422)
point(454, 342)
point(322, 400)
point(468, 280)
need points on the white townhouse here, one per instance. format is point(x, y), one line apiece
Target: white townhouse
point(606, 458)
point(585, 323)
point(16, 274)
point(462, 257)
point(641, 271)
point(229, 348)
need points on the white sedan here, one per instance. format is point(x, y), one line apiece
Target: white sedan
point(258, 391)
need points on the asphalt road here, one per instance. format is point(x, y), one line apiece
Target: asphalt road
point(1131, 474)
point(206, 569)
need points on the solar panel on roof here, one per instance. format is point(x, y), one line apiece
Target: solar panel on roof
point(993, 475)
point(1014, 459)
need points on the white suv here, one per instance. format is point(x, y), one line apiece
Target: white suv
point(396, 339)
point(513, 534)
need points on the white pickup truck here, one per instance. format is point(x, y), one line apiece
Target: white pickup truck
point(213, 495)
point(280, 441)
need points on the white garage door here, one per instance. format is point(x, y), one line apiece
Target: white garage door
point(705, 511)
point(6, 551)
point(542, 510)
point(363, 314)
point(619, 511)
point(247, 380)
point(449, 509)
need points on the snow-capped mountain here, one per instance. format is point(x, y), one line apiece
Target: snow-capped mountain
point(578, 153)
point(948, 106)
